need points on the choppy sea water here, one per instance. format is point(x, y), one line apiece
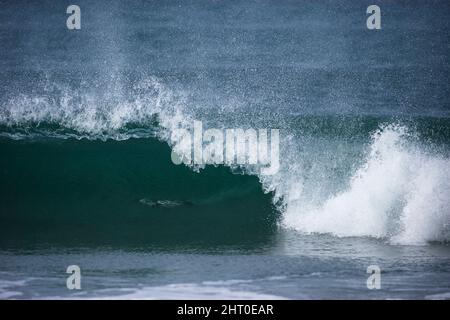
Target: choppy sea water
point(290, 267)
point(86, 123)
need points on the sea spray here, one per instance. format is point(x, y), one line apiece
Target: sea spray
point(400, 194)
point(230, 146)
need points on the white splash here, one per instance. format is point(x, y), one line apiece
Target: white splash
point(400, 193)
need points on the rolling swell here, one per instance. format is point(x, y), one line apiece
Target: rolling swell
point(82, 192)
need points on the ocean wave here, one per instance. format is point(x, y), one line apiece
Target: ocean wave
point(391, 187)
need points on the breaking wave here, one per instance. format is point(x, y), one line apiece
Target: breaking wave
point(384, 184)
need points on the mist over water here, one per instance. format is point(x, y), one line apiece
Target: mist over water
point(363, 119)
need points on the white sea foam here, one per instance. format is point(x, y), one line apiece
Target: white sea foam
point(9, 289)
point(178, 291)
point(400, 193)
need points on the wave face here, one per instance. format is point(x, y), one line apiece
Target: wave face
point(85, 138)
point(123, 193)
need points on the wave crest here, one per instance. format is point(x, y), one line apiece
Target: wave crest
point(91, 113)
